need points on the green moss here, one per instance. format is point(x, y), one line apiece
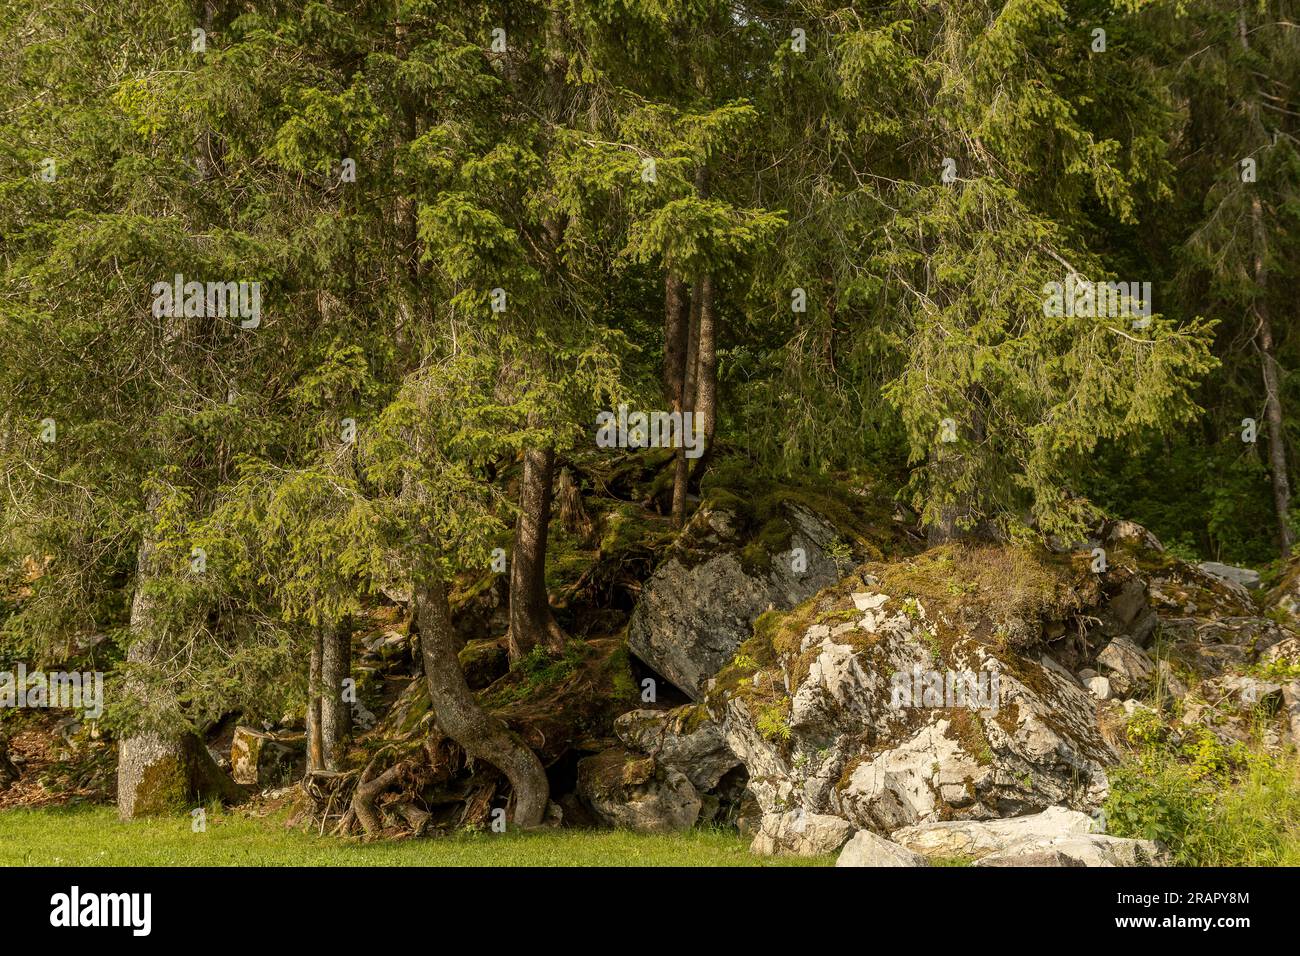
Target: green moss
point(967, 728)
point(863, 522)
point(689, 718)
point(537, 672)
point(164, 788)
point(483, 662)
point(619, 669)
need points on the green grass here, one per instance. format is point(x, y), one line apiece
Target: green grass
point(93, 836)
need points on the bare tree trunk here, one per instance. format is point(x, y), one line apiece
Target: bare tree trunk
point(677, 326)
point(335, 712)
point(531, 621)
point(706, 403)
point(1272, 390)
point(315, 741)
point(681, 475)
point(676, 330)
point(481, 735)
point(944, 528)
point(1264, 341)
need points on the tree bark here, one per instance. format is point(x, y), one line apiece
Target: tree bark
point(531, 622)
point(676, 330)
point(1264, 341)
point(1272, 390)
point(335, 712)
point(706, 402)
point(160, 773)
point(480, 734)
point(681, 474)
point(315, 741)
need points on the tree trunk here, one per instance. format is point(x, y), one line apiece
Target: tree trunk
point(531, 621)
point(676, 329)
point(1264, 341)
point(335, 712)
point(1272, 391)
point(706, 402)
point(681, 475)
point(943, 528)
point(159, 773)
point(315, 742)
point(480, 734)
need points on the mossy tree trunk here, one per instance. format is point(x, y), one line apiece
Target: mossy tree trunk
point(157, 772)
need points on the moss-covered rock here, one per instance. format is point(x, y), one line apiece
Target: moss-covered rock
point(636, 792)
point(811, 703)
point(484, 661)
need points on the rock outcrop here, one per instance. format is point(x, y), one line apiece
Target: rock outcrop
point(701, 602)
point(637, 793)
point(830, 710)
point(687, 740)
point(265, 759)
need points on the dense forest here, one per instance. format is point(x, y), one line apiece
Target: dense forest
point(433, 396)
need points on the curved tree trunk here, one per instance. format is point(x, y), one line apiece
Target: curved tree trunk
point(483, 736)
point(531, 620)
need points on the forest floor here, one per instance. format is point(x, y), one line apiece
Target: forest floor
point(93, 836)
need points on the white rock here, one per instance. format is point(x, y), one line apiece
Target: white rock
point(868, 849)
point(869, 602)
point(1100, 687)
point(979, 838)
point(798, 833)
point(1128, 666)
point(1244, 577)
point(1087, 849)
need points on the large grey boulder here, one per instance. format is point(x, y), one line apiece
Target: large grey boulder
point(686, 739)
point(818, 731)
point(700, 603)
point(868, 849)
point(634, 792)
point(1056, 837)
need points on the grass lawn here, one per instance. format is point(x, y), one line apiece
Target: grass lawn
point(93, 836)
